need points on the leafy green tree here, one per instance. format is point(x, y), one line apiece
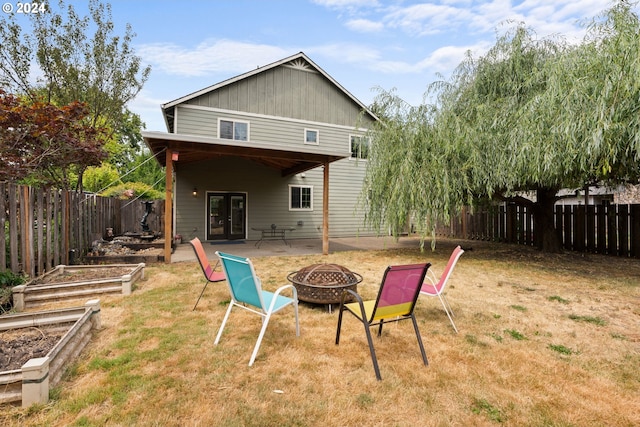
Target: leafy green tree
point(64, 57)
point(100, 69)
point(99, 178)
point(143, 168)
point(530, 115)
point(133, 190)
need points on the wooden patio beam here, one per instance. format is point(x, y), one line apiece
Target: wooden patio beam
point(325, 210)
point(168, 205)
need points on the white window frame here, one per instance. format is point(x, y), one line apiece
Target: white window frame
point(234, 121)
point(359, 156)
point(310, 187)
point(317, 132)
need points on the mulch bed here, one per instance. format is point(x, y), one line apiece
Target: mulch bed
point(19, 345)
point(85, 274)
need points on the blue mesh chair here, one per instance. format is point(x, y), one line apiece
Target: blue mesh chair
point(247, 293)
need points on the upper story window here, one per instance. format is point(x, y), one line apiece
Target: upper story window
point(300, 198)
point(311, 136)
point(233, 129)
point(359, 146)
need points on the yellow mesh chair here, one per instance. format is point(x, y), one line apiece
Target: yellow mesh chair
point(396, 301)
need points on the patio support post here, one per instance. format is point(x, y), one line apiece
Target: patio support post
point(325, 210)
point(168, 205)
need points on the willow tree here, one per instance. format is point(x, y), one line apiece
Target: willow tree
point(530, 115)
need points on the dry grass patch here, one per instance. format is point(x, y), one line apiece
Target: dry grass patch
point(529, 351)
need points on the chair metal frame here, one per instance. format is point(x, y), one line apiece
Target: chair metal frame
point(210, 274)
point(435, 287)
point(391, 305)
point(246, 293)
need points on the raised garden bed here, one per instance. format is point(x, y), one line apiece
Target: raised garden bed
point(68, 282)
point(36, 347)
point(147, 258)
point(130, 248)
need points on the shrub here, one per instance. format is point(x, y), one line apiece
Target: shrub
point(131, 190)
point(8, 280)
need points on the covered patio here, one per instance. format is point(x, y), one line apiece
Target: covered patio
point(186, 149)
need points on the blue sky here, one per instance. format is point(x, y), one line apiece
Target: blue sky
point(361, 43)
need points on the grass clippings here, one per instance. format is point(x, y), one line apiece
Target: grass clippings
point(154, 362)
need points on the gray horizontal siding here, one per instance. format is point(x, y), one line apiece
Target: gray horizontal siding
point(204, 122)
point(268, 197)
point(285, 92)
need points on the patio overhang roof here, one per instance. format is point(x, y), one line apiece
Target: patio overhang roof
point(288, 161)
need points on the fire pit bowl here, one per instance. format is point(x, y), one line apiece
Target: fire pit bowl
point(324, 283)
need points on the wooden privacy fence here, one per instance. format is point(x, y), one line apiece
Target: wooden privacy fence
point(45, 227)
point(605, 229)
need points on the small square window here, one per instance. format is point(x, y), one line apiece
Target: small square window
point(311, 136)
point(359, 147)
point(300, 198)
point(229, 129)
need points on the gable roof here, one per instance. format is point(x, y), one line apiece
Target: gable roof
point(299, 60)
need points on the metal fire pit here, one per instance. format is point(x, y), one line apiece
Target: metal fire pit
point(324, 283)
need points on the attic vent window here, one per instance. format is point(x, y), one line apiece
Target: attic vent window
point(230, 129)
point(300, 64)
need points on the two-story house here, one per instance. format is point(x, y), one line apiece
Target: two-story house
point(282, 145)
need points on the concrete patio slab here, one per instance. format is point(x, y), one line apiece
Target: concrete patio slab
point(247, 248)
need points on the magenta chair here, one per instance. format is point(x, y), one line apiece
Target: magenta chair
point(396, 301)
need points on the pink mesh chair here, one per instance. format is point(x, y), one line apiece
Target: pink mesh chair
point(209, 273)
point(434, 287)
point(396, 301)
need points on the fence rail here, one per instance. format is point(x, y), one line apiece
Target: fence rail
point(44, 227)
point(605, 229)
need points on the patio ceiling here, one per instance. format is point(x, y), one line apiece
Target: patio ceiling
point(192, 148)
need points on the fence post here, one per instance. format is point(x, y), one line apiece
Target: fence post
point(3, 222)
point(567, 227)
point(579, 228)
point(65, 228)
point(511, 223)
point(622, 230)
point(591, 228)
point(634, 231)
point(601, 228)
point(612, 235)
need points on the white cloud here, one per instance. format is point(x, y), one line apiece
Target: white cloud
point(344, 4)
point(427, 18)
point(209, 56)
point(365, 26)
